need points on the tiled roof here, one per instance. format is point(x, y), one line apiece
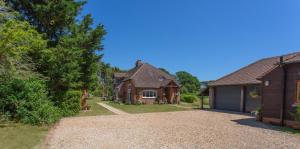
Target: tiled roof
point(251, 73)
point(150, 77)
point(147, 76)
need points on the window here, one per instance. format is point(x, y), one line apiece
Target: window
point(149, 94)
point(255, 93)
point(298, 91)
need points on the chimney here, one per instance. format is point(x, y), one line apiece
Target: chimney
point(281, 60)
point(138, 63)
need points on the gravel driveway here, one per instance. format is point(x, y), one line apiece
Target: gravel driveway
point(187, 129)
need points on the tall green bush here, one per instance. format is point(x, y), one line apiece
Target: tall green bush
point(189, 98)
point(71, 103)
point(26, 101)
point(297, 114)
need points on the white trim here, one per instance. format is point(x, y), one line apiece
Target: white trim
point(154, 92)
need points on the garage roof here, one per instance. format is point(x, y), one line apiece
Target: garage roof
point(251, 73)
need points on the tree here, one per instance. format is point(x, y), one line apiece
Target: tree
point(69, 60)
point(189, 83)
point(90, 43)
point(52, 17)
point(17, 40)
point(5, 12)
point(105, 78)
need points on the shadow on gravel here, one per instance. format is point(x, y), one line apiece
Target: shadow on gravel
point(253, 123)
point(228, 112)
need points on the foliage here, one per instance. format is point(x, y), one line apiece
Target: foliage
point(71, 103)
point(297, 114)
point(17, 39)
point(189, 83)
point(89, 41)
point(5, 12)
point(51, 17)
point(189, 98)
point(27, 101)
point(43, 40)
point(104, 86)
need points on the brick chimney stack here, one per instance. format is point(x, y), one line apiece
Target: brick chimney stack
point(138, 63)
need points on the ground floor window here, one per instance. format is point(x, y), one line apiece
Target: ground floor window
point(149, 94)
point(298, 91)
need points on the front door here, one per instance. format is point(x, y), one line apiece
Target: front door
point(129, 96)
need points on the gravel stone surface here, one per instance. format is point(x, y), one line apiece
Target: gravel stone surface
point(184, 130)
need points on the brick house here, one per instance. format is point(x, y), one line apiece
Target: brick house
point(147, 84)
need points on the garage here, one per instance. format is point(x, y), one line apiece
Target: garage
point(252, 98)
point(228, 98)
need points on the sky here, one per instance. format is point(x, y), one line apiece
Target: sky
point(207, 38)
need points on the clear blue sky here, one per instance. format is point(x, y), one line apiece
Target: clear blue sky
point(208, 38)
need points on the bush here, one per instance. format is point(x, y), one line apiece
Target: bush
point(70, 104)
point(26, 101)
point(190, 98)
point(297, 114)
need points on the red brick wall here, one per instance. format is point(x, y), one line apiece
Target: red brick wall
point(137, 94)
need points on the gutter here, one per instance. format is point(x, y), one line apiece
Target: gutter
point(282, 114)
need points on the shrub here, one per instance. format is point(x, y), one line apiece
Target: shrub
point(297, 114)
point(26, 101)
point(190, 98)
point(70, 104)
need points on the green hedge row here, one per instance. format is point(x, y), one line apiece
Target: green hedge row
point(27, 101)
point(190, 98)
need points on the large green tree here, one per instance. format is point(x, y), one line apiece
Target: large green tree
point(52, 17)
point(17, 40)
point(89, 41)
point(69, 62)
point(189, 83)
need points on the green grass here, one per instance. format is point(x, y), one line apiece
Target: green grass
point(147, 108)
point(196, 104)
point(95, 108)
point(17, 135)
point(21, 136)
point(289, 130)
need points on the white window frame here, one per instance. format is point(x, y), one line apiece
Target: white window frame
point(149, 94)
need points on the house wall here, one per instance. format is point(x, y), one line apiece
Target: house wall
point(273, 94)
point(293, 75)
point(137, 94)
point(123, 94)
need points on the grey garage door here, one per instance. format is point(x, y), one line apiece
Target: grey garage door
point(228, 98)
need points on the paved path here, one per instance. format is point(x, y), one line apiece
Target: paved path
point(185, 129)
point(112, 109)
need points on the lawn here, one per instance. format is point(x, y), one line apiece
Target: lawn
point(196, 104)
point(289, 130)
point(147, 108)
point(17, 135)
point(95, 108)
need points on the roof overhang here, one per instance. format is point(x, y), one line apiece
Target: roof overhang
point(235, 84)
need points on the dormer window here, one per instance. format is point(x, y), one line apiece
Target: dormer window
point(161, 78)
